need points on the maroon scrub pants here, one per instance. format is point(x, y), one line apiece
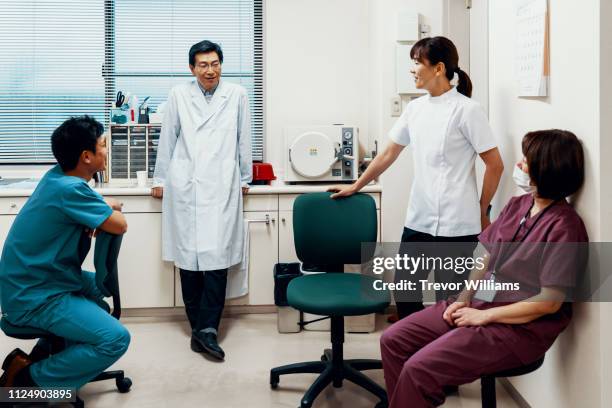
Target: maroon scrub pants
point(421, 354)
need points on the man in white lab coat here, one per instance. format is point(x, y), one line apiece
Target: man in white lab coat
point(203, 167)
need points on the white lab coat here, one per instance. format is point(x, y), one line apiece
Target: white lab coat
point(203, 158)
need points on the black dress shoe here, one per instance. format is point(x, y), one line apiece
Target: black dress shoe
point(208, 342)
point(195, 345)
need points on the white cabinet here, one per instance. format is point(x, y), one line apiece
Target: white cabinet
point(145, 280)
point(9, 208)
point(263, 255)
point(12, 205)
point(5, 225)
point(148, 282)
point(286, 246)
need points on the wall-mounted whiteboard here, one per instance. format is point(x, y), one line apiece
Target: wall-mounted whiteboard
point(532, 49)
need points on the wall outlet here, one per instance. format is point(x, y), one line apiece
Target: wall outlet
point(396, 106)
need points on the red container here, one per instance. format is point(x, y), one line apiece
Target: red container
point(262, 173)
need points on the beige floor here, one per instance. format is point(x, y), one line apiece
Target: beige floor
point(167, 374)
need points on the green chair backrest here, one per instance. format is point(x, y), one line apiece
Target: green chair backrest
point(330, 231)
point(106, 253)
point(84, 245)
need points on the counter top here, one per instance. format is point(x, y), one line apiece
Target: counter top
point(110, 189)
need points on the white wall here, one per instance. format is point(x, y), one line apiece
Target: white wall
point(479, 52)
point(334, 62)
point(605, 87)
point(317, 64)
point(571, 376)
point(479, 73)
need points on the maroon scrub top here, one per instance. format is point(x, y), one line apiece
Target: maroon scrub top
point(560, 223)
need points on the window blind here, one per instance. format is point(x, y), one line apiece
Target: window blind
point(60, 58)
point(51, 54)
point(148, 51)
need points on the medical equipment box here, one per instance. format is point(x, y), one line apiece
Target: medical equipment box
point(321, 153)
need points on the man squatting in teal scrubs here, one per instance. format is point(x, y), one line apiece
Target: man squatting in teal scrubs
point(41, 281)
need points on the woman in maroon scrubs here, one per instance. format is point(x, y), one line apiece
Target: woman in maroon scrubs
point(454, 343)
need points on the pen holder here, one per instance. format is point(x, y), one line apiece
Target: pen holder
point(118, 116)
point(143, 116)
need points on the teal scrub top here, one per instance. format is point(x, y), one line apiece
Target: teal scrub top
point(40, 258)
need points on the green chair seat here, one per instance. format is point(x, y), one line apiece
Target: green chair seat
point(22, 332)
point(336, 294)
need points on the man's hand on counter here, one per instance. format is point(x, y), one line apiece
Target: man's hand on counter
point(114, 204)
point(245, 190)
point(157, 192)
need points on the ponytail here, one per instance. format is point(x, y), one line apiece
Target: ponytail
point(464, 86)
point(441, 49)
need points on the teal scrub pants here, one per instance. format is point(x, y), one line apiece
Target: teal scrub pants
point(94, 338)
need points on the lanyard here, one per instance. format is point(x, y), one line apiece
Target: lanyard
point(524, 219)
point(500, 259)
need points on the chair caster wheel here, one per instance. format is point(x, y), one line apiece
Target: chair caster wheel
point(123, 384)
point(274, 380)
point(79, 403)
point(324, 357)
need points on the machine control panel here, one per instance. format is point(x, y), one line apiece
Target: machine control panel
point(347, 150)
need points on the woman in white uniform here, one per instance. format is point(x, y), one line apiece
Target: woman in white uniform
point(446, 130)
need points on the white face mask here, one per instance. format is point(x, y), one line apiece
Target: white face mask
point(522, 180)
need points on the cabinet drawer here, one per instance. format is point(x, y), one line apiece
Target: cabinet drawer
point(12, 205)
point(139, 204)
point(260, 202)
point(285, 201)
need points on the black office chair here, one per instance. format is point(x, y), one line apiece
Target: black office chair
point(330, 232)
point(487, 382)
point(106, 253)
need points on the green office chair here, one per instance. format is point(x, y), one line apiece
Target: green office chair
point(106, 253)
point(330, 232)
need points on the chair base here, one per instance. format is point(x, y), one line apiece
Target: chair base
point(122, 382)
point(350, 370)
point(333, 369)
point(487, 382)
